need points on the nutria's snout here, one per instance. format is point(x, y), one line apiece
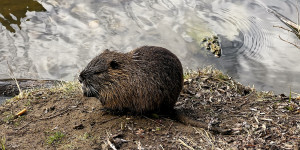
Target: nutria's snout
point(80, 79)
point(88, 90)
point(85, 91)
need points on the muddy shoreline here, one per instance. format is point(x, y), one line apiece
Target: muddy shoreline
point(9, 87)
point(61, 118)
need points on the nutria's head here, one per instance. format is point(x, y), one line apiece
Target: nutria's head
point(103, 73)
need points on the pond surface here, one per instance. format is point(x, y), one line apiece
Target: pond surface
point(3, 99)
point(58, 41)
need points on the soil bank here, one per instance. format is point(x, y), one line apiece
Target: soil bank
point(61, 118)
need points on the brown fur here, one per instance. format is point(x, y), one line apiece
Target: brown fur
point(146, 79)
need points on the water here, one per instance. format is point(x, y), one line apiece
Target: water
point(59, 42)
point(3, 99)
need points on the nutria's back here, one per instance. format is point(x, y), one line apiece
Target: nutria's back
point(146, 79)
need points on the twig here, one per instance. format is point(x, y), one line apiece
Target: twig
point(298, 16)
point(11, 74)
point(162, 147)
point(111, 144)
point(132, 128)
point(189, 147)
point(139, 145)
point(283, 28)
point(207, 136)
point(50, 117)
point(170, 126)
point(297, 46)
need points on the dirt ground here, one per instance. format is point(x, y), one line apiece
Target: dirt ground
point(61, 118)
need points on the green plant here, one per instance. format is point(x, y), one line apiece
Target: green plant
point(222, 76)
point(2, 143)
point(28, 103)
point(290, 96)
point(55, 138)
point(18, 120)
point(10, 117)
point(85, 136)
point(290, 108)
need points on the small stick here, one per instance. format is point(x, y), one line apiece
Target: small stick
point(111, 144)
point(189, 147)
point(170, 126)
point(283, 28)
point(298, 16)
point(297, 46)
point(139, 145)
point(161, 147)
point(50, 117)
point(13, 77)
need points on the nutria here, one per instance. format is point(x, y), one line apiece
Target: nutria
point(143, 80)
point(146, 79)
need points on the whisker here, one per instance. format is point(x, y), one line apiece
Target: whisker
point(94, 91)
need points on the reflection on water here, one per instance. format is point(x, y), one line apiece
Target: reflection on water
point(12, 11)
point(58, 43)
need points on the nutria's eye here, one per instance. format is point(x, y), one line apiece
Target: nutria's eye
point(98, 72)
point(114, 65)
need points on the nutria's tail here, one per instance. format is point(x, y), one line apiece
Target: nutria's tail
point(181, 117)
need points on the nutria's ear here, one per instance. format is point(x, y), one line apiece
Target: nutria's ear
point(114, 64)
point(106, 51)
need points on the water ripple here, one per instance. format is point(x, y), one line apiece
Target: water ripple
point(57, 43)
point(252, 33)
